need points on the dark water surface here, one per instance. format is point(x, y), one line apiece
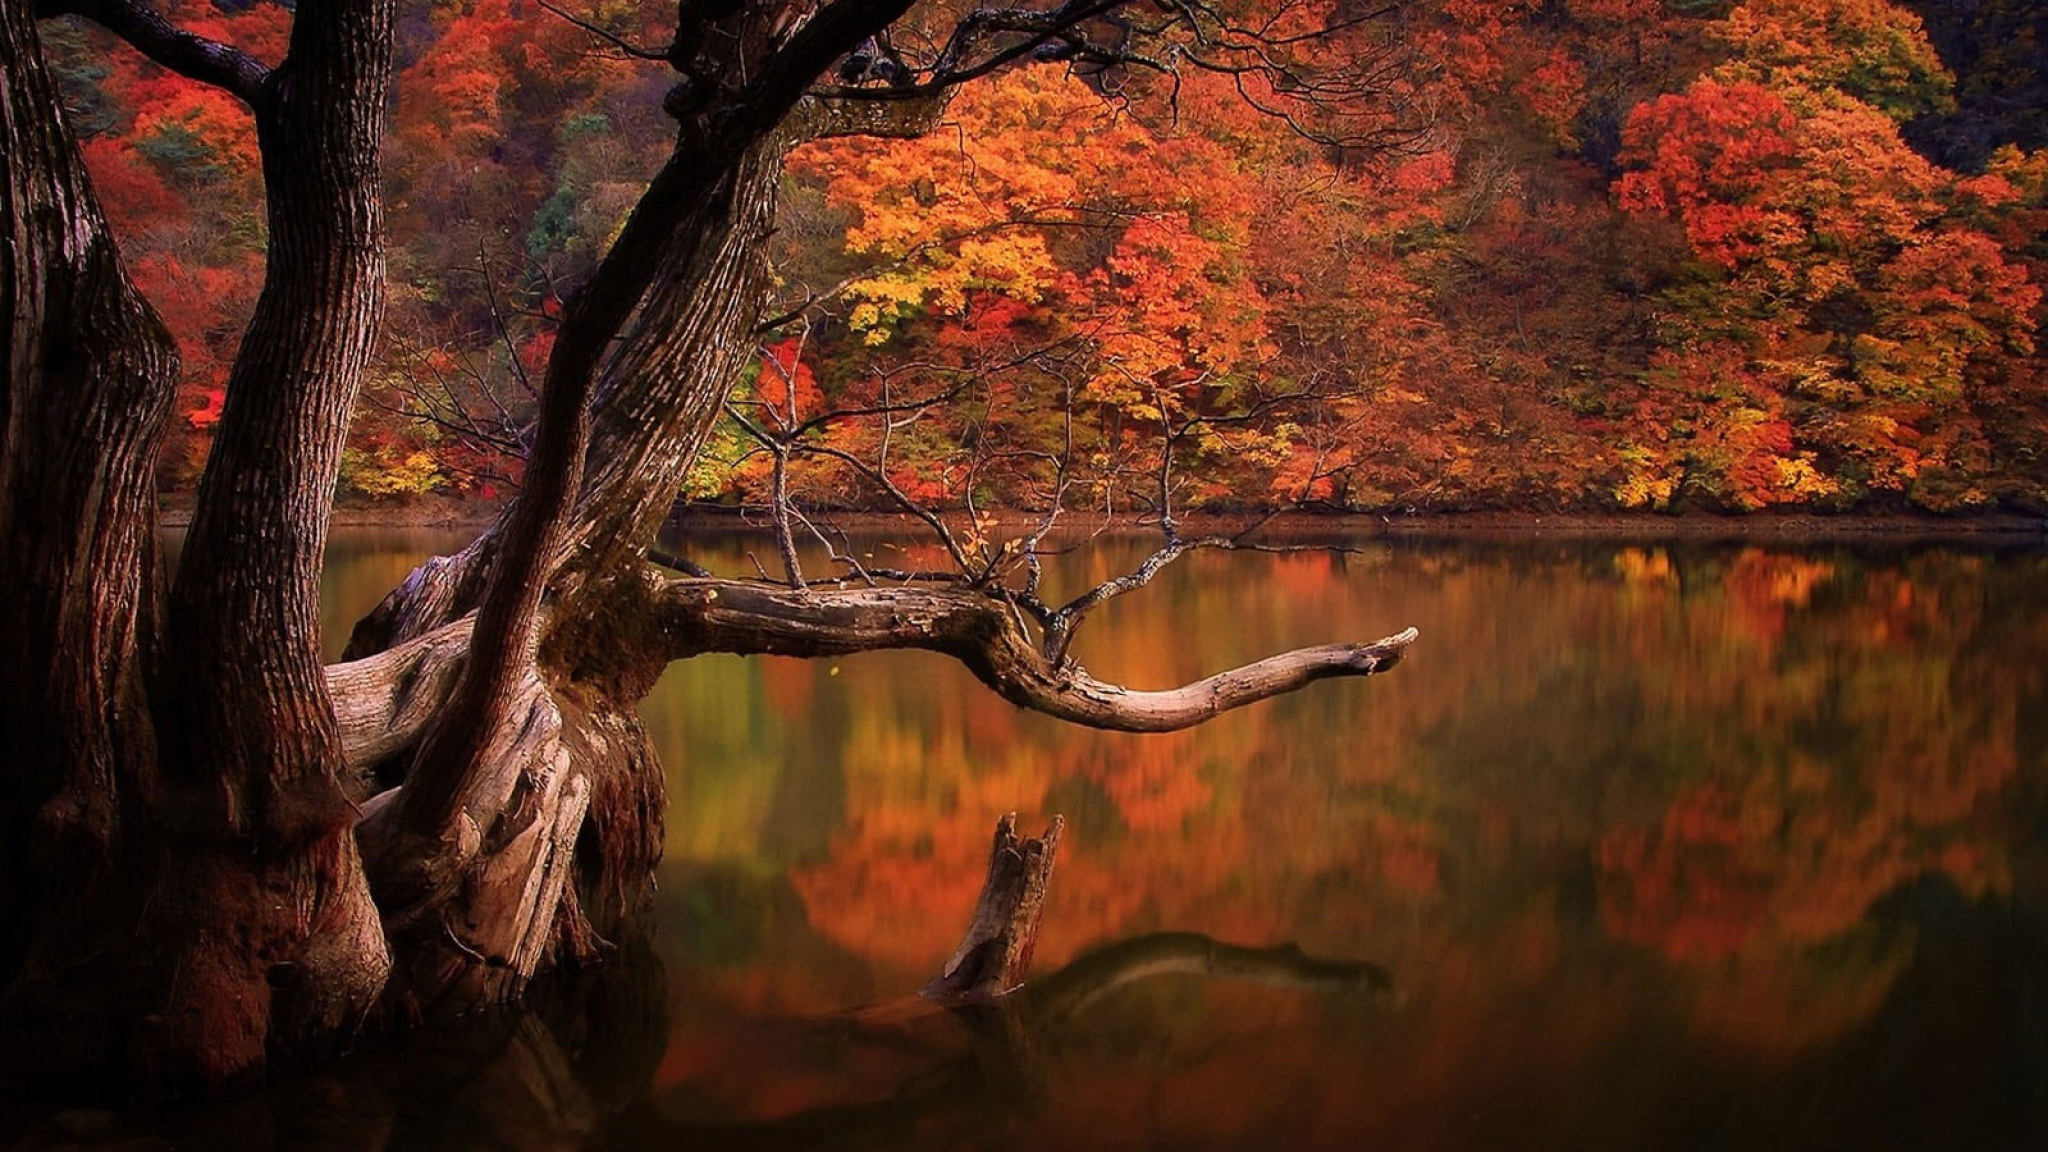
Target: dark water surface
point(1699, 846)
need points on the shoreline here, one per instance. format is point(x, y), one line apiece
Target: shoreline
point(2010, 527)
point(2001, 526)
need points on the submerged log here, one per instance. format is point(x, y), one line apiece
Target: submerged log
point(995, 954)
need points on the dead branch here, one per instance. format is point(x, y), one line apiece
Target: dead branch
point(188, 54)
point(978, 628)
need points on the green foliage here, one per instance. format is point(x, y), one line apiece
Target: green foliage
point(178, 147)
point(553, 225)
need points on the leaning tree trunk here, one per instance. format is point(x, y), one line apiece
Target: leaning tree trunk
point(90, 378)
point(533, 799)
point(655, 404)
point(578, 725)
point(485, 834)
point(529, 791)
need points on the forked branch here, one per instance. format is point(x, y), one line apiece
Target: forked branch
point(977, 628)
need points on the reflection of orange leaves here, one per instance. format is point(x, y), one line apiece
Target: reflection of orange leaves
point(1410, 868)
point(1306, 574)
point(1806, 768)
point(786, 686)
point(1158, 786)
point(1971, 868)
point(1532, 943)
point(1764, 586)
point(1645, 567)
point(1792, 579)
point(1800, 856)
point(1685, 888)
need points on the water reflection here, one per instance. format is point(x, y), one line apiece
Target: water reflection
point(1673, 815)
point(1710, 846)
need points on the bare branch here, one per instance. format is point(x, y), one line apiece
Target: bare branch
point(975, 628)
point(189, 55)
point(630, 49)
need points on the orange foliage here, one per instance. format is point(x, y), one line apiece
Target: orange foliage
point(1624, 254)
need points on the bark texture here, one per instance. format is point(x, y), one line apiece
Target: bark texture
point(995, 954)
point(205, 726)
point(265, 912)
point(981, 632)
point(655, 403)
point(243, 629)
point(499, 748)
point(90, 378)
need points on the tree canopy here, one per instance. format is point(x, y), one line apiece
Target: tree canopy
point(1605, 256)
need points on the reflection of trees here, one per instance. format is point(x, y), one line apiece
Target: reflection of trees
point(1886, 741)
point(916, 1075)
point(1701, 752)
point(543, 1075)
point(1806, 731)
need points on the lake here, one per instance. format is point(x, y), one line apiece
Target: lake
point(1645, 846)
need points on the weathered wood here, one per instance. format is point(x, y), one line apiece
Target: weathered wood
point(969, 1073)
point(250, 755)
point(383, 703)
point(90, 372)
point(747, 617)
point(995, 954)
point(655, 403)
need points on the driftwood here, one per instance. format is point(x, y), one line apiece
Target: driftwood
point(995, 954)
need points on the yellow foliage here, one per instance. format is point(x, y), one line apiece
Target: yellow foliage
point(390, 471)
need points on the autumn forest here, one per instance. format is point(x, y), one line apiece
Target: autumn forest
point(409, 736)
point(1583, 255)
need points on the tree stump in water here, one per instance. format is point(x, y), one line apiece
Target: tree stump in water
point(995, 953)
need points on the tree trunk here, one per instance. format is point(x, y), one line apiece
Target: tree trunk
point(90, 378)
point(995, 954)
point(478, 823)
point(655, 403)
point(243, 921)
point(217, 853)
point(260, 903)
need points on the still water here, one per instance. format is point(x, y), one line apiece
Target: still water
point(1645, 846)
